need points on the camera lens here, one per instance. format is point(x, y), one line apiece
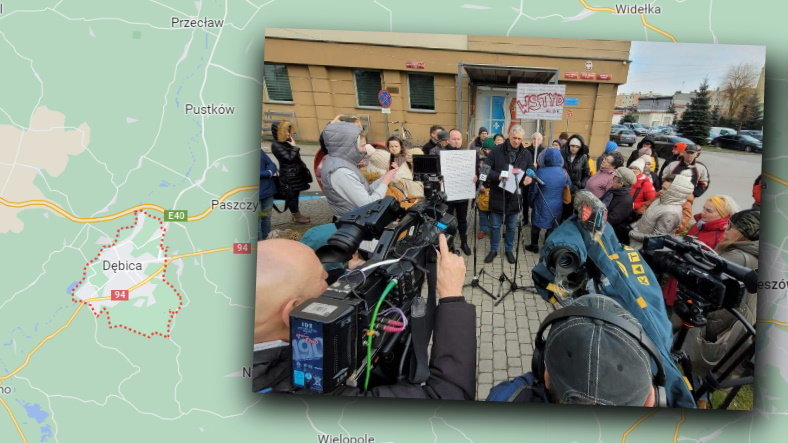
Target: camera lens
point(341, 245)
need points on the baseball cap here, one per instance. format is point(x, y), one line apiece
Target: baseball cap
point(692, 148)
point(748, 222)
point(591, 361)
point(443, 135)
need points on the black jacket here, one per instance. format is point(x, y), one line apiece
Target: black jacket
point(578, 169)
point(499, 160)
point(619, 211)
point(292, 170)
point(452, 361)
point(429, 145)
point(654, 157)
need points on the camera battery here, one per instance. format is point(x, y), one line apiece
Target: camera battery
point(323, 340)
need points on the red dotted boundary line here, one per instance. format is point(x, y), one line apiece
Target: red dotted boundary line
point(104, 311)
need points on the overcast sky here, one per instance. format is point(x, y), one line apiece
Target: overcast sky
point(669, 67)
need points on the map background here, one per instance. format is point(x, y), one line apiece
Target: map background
point(98, 384)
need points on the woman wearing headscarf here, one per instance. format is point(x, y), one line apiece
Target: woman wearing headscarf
point(403, 188)
point(547, 199)
point(709, 228)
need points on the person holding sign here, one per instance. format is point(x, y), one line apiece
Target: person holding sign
point(457, 207)
point(506, 162)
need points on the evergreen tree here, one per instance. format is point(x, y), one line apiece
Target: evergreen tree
point(695, 124)
point(630, 118)
point(751, 115)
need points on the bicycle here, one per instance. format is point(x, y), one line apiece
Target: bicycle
point(402, 133)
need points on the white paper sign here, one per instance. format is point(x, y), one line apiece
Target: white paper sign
point(511, 182)
point(540, 101)
point(458, 168)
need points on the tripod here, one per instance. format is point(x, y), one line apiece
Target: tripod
point(475, 283)
point(721, 376)
point(513, 286)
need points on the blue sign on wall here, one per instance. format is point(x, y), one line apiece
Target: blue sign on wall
point(571, 101)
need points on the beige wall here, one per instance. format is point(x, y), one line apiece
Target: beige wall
point(321, 77)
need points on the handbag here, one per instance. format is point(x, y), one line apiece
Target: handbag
point(566, 196)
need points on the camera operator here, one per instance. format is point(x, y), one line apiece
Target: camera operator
point(344, 185)
point(504, 206)
point(706, 345)
point(584, 256)
point(453, 356)
point(591, 358)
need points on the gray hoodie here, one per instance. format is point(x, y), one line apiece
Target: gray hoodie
point(344, 186)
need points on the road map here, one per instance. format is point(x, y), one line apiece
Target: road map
point(129, 143)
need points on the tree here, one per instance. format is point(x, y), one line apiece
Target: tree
point(736, 85)
point(630, 118)
point(751, 114)
point(715, 116)
point(672, 110)
point(695, 124)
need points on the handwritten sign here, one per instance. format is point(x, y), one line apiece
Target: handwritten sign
point(458, 169)
point(539, 101)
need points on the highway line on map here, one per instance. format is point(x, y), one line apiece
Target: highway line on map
point(13, 419)
point(176, 257)
point(42, 342)
point(57, 209)
point(637, 423)
point(678, 425)
point(642, 19)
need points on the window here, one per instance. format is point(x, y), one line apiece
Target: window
point(422, 92)
point(277, 83)
point(367, 88)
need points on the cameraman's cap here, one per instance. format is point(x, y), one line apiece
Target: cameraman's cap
point(626, 175)
point(591, 361)
point(443, 135)
point(692, 148)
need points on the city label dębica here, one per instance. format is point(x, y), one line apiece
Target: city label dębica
point(211, 109)
point(116, 266)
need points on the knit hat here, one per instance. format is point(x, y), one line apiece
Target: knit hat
point(639, 164)
point(680, 147)
point(483, 129)
point(442, 135)
point(748, 222)
point(626, 175)
point(488, 143)
point(610, 146)
point(591, 361)
point(574, 141)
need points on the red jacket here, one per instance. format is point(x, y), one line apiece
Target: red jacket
point(710, 233)
point(642, 191)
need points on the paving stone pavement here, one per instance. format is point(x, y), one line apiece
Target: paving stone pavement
point(504, 332)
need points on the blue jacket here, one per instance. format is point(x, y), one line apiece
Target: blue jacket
point(547, 199)
point(267, 171)
point(631, 282)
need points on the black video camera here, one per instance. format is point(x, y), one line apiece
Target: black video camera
point(706, 281)
point(363, 321)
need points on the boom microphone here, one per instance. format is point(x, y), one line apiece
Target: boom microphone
point(530, 172)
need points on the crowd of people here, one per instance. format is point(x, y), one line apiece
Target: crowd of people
point(643, 199)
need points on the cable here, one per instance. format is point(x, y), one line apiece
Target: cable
point(371, 330)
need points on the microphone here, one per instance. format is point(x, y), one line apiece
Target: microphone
point(484, 169)
point(530, 172)
point(503, 175)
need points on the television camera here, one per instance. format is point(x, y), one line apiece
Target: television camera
point(372, 326)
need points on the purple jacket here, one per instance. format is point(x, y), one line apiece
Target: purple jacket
point(600, 182)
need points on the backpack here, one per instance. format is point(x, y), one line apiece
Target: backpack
point(524, 388)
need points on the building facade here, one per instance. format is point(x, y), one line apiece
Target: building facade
point(450, 80)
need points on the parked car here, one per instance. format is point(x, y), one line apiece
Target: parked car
point(637, 128)
point(623, 137)
point(738, 141)
point(758, 135)
point(717, 131)
point(663, 144)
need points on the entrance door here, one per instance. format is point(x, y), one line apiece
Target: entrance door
point(495, 110)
